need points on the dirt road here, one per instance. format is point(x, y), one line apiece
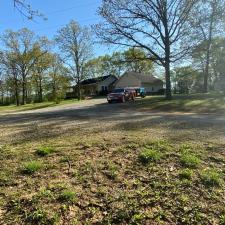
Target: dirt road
point(100, 115)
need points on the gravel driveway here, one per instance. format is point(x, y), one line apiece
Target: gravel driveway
point(98, 114)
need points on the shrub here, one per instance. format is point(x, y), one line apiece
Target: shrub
point(190, 160)
point(186, 174)
point(68, 196)
point(32, 167)
point(149, 155)
point(43, 151)
point(211, 177)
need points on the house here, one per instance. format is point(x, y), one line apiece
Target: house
point(94, 86)
point(151, 84)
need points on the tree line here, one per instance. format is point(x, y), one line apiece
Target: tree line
point(185, 37)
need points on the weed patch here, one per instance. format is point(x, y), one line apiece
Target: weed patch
point(149, 155)
point(190, 160)
point(210, 177)
point(43, 151)
point(32, 167)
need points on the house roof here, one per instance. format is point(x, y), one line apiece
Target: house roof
point(145, 78)
point(95, 80)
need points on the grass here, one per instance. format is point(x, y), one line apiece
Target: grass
point(32, 167)
point(211, 177)
point(204, 103)
point(186, 174)
point(190, 160)
point(141, 170)
point(44, 151)
point(67, 196)
point(34, 106)
point(149, 155)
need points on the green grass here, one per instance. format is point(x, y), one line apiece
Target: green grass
point(211, 177)
point(32, 167)
point(96, 175)
point(33, 106)
point(149, 155)
point(44, 151)
point(186, 174)
point(67, 196)
point(209, 103)
point(189, 160)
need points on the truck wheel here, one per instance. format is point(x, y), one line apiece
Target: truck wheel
point(109, 102)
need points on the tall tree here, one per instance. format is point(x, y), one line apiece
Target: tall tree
point(22, 44)
point(135, 60)
point(207, 23)
point(155, 26)
point(75, 44)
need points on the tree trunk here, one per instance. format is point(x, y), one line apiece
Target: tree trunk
point(206, 74)
point(17, 93)
point(168, 81)
point(78, 91)
point(209, 43)
point(24, 92)
point(40, 94)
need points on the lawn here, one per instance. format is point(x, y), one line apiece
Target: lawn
point(33, 106)
point(202, 103)
point(143, 170)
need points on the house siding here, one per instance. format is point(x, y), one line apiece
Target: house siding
point(106, 83)
point(152, 88)
point(128, 80)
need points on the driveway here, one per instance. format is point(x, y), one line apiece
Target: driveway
point(97, 114)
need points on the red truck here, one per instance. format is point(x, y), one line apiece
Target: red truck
point(121, 95)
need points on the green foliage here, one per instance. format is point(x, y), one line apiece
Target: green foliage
point(44, 150)
point(210, 177)
point(189, 160)
point(41, 217)
point(67, 196)
point(186, 174)
point(111, 171)
point(149, 155)
point(32, 167)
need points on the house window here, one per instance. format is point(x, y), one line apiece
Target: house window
point(104, 88)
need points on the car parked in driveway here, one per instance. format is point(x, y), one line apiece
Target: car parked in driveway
point(121, 95)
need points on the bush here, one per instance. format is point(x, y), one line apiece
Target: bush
point(186, 174)
point(211, 177)
point(190, 160)
point(32, 167)
point(149, 155)
point(43, 151)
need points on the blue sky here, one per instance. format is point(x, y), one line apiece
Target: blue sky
point(58, 14)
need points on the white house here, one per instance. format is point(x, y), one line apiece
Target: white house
point(133, 79)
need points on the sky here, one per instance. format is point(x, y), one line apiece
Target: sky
point(58, 13)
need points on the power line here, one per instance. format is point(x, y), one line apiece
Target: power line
point(61, 25)
point(70, 8)
point(57, 11)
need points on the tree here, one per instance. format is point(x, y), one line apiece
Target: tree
point(119, 62)
point(58, 79)
point(41, 66)
point(22, 45)
point(155, 26)
point(207, 21)
point(135, 60)
point(74, 42)
point(184, 79)
point(10, 68)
